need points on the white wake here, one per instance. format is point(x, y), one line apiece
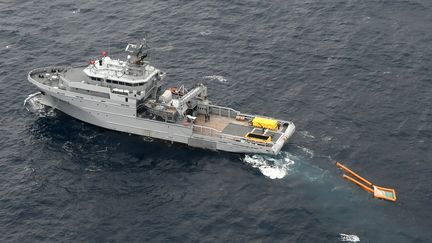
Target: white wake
point(32, 103)
point(205, 33)
point(349, 238)
point(218, 78)
point(273, 167)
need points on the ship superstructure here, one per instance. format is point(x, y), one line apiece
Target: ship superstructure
point(127, 96)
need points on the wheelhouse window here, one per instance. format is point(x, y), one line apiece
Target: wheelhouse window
point(120, 91)
point(95, 79)
point(110, 81)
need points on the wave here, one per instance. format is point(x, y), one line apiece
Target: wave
point(349, 238)
point(306, 134)
point(147, 139)
point(102, 150)
point(163, 48)
point(68, 147)
point(32, 103)
point(205, 33)
point(93, 168)
point(308, 152)
point(273, 167)
point(219, 78)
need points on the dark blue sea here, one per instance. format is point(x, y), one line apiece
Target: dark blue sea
point(354, 76)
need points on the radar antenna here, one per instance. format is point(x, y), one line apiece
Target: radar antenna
point(137, 55)
point(143, 55)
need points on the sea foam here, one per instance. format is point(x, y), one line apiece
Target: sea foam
point(272, 167)
point(32, 104)
point(219, 78)
point(349, 238)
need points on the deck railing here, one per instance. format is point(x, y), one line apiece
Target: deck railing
point(48, 69)
point(207, 131)
point(223, 111)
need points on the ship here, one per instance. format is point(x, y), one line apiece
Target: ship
point(130, 96)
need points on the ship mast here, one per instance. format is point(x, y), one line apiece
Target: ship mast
point(135, 52)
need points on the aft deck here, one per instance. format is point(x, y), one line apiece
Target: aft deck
point(230, 127)
point(218, 122)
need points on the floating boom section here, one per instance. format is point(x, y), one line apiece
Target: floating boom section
point(378, 192)
point(354, 174)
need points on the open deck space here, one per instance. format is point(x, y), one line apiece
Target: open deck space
point(218, 122)
point(231, 126)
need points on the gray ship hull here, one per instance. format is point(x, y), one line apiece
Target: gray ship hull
point(106, 113)
point(89, 111)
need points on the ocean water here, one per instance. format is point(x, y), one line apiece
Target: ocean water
point(354, 76)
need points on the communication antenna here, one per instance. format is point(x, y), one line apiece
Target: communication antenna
point(145, 41)
point(143, 45)
point(109, 46)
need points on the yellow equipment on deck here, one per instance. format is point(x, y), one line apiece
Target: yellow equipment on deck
point(265, 123)
point(378, 192)
point(259, 137)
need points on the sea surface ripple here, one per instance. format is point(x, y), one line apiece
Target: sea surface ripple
point(354, 76)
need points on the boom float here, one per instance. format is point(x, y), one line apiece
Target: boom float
point(378, 192)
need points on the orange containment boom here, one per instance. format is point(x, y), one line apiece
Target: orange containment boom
point(378, 192)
